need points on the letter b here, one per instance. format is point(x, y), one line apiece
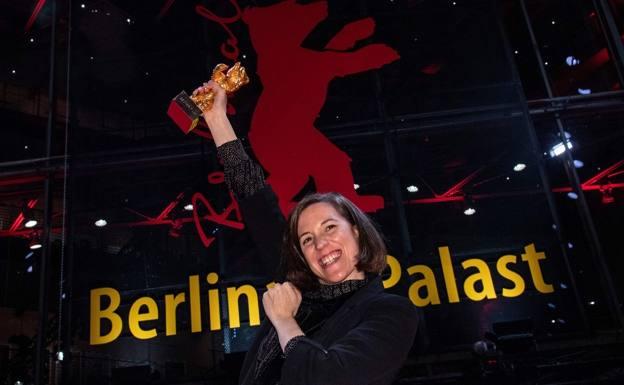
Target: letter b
point(97, 313)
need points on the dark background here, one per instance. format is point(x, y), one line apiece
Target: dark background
point(468, 100)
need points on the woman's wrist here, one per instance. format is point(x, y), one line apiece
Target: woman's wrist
point(220, 128)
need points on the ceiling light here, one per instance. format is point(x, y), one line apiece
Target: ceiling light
point(356, 186)
point(35, 244)
point(101, 222)
point(30, 223)
point(189, 207)
point(412, 188)
point(470, 211)
point(572, 195)
point(560, 148)
point(519, 167)
point(584, 91)
point(572, 61)
point(578, 163)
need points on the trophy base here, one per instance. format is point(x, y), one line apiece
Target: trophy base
point(184, 112)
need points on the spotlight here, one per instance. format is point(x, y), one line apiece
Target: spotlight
point(519, 167)
point(572, 61)
point(101, 222)
point(572, 195)
point(35, 241)
point(560, 147)
point(189, 207)
point(30, 223)
point(60, 356)
point(469, 206)
point(356, 186)
point(578, 163)
point(34, 244)
point(584, 91)
point(412, 188)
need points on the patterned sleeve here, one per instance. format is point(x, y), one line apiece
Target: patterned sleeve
point(242, 174)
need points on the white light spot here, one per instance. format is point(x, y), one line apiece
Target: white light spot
point(470, 211)
point(30, 223)
point(356, 186)
point(188, 207)
point(559, 148)
point(412, 188)
point(572, 61)
point(578, 163)
point(584, 91)
point(101, 222)
point(519, 167)
point(572, 195)
point(128, 20)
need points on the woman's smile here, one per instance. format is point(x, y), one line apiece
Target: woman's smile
point(329, 244)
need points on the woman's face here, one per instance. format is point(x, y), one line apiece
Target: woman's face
point(329, 243)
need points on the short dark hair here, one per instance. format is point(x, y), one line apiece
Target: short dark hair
point(372, 257)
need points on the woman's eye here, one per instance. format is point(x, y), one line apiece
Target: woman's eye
point(329, 227)
point(305, 241)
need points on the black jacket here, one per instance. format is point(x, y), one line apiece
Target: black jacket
point(365, 342)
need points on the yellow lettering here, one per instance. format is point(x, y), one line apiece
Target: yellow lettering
point(482, 275)
point(195, 304)
point(233, 295)
point(97, 313)
point(505, 272)
point(428, 282)
point(449, 274)
point(135, 317)
point(214, 304)
point(533, 258)
point(171, 305)
point(395, 272)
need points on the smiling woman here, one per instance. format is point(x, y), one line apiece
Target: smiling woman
point(329, 320)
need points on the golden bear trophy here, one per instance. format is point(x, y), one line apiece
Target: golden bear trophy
point(186, 110)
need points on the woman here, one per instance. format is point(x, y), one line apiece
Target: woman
point(330, 322)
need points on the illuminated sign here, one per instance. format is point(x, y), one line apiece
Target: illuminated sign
point(424, 291)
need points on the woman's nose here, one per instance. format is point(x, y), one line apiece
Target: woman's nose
point(320, 242)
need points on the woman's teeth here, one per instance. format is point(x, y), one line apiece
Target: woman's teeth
point(329, 258)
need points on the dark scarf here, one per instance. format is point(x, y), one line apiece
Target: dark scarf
point(316, 307)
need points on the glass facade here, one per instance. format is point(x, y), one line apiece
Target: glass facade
point(490, 129)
